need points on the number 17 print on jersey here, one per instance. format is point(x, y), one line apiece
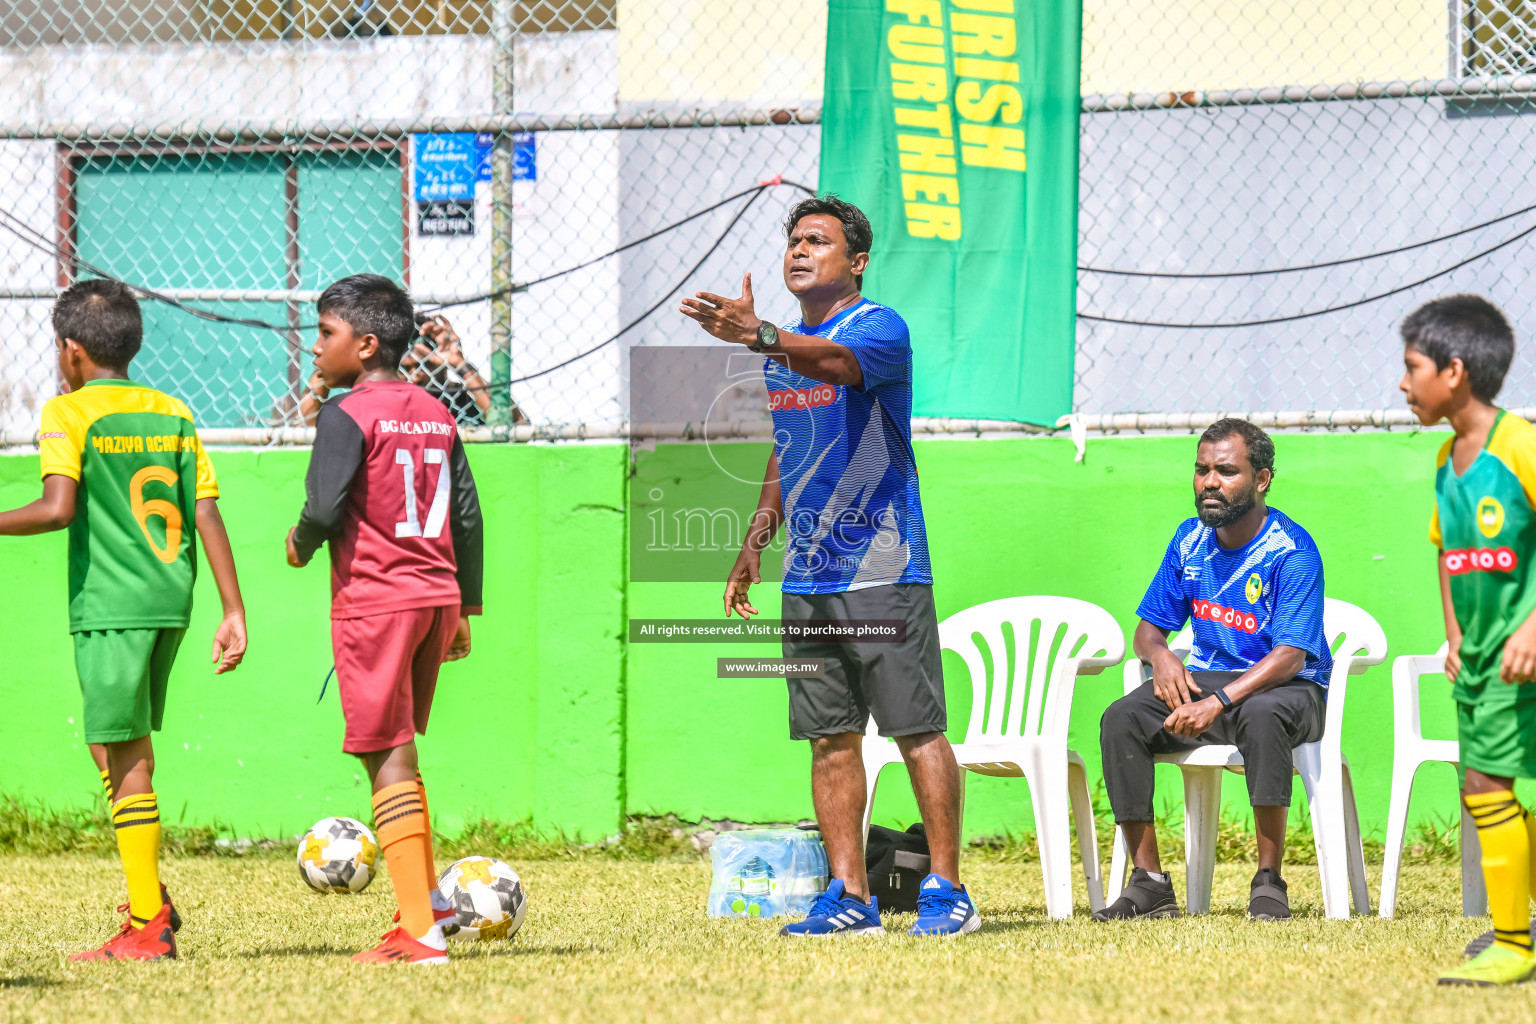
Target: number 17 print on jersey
point(390, 489)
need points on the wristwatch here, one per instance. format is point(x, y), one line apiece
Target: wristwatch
point(767, 337)
point(1221, 695)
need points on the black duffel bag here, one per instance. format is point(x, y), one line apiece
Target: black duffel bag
point(897, 863)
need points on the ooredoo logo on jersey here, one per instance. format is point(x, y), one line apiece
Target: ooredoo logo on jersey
point(1230, 617)
point(1481, 560)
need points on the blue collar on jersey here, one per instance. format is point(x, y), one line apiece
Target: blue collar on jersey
point(826, 324)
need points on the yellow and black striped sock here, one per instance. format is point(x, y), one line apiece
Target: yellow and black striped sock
point(106, 785)
point(1530, 837)
point(137, 821)
point(1506, 843)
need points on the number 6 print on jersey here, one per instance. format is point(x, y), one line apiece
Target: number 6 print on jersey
point(166, 510)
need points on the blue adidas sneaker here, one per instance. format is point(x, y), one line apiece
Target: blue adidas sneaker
point(834, 913)
point(944, 910)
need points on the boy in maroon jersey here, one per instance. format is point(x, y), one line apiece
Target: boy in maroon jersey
point(390, 489)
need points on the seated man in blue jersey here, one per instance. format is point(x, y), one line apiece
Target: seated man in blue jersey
point(1251, 583)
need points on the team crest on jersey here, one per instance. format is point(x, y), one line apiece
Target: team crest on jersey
point(1490, 517)
point(1254, 589)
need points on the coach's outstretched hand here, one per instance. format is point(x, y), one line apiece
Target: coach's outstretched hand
point(727, 319)
point(744, 573)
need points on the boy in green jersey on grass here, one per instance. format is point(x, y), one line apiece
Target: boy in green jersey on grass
point(1457, 350)
point(123, 469)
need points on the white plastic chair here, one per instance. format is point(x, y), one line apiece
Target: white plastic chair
point(1410, 750)
point(1019, 717)
point(1323, 768)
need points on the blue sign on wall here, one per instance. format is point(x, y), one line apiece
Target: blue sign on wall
point(447, 165)
point(525, 161)
point(485, 142)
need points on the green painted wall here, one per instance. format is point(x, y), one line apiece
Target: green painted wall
point(552, 718)
point(527, 726)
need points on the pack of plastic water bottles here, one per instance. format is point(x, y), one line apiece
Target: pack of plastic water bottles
point(766, 872)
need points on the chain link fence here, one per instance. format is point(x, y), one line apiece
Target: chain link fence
point(1222, 143)
point(1265, 189)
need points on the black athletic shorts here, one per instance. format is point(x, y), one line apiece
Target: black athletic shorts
point(901, 684)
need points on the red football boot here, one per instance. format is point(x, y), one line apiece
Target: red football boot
point(165, 898)
point(400, 948)
point(155, 941)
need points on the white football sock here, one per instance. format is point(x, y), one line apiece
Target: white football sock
point(434, 939)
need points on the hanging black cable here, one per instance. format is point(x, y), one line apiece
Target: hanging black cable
point(1208, 275)
point(522, 286)
point(78, 264)
point(29, 236)
point(20, 229)
point(756, 193)
point(1316, 312)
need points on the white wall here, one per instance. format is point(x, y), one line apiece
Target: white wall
point(568, 214)
point(381, 79)
point(26, 338)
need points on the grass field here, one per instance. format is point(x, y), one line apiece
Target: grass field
point(618, 940)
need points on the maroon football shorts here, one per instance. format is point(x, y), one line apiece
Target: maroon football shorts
point(386, 672)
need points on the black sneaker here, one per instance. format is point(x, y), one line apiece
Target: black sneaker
point(1485, 940)
point(1267, 899)
point(1143, 896)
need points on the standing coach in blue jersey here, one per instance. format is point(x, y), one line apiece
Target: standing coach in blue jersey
point(1249, 580)
point(843, 483)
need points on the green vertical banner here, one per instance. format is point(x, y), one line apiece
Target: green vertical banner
point(954, 125)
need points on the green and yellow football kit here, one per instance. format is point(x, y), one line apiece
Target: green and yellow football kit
point(132, 544)
point(1485, 522)
point(1485, 526)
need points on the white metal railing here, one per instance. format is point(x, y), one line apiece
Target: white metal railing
point(1444, 88)
point(236, 295)
point(762, 430)
point(747, 430)
point(1465, 87)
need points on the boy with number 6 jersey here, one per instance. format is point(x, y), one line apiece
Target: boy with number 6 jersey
point(391, 491)
point(1456, 351)
point(124, 470)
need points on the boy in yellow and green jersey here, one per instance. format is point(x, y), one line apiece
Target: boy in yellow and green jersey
point(1457, 351)
point(124, 470)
